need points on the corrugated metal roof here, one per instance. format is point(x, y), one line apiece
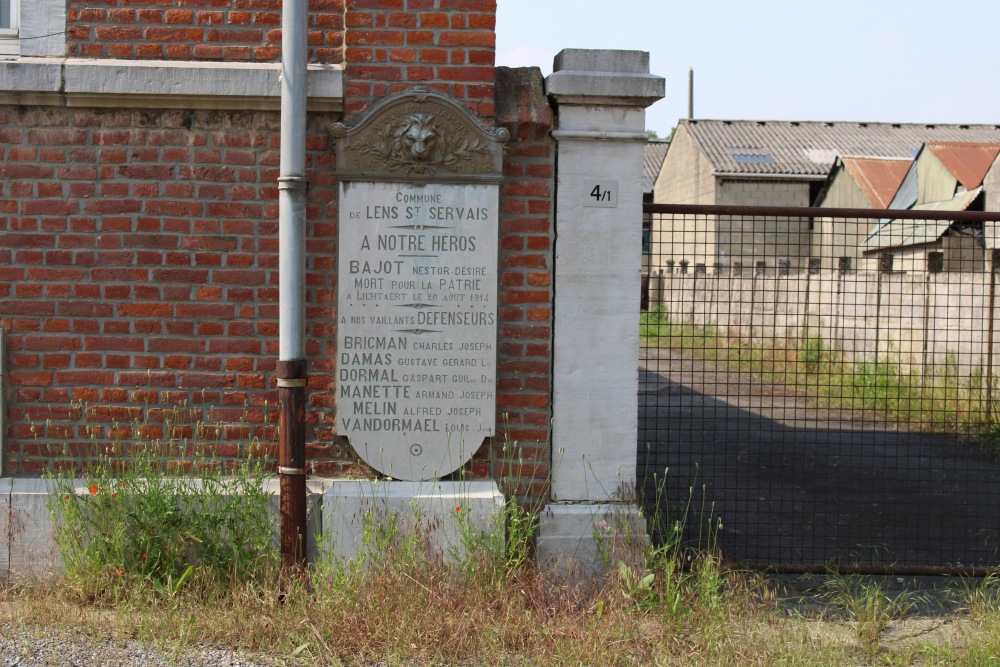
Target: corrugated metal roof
point(878, 177)
point(808, 148)
point(655, 152)
point(906, 196)
point(909, 190)
point(914, 232)
point(969, 162)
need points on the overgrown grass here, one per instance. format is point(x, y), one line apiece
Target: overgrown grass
point(406, 610)
point(184, 562)
point(131, 529)
point(867, 606)
point(938, 398)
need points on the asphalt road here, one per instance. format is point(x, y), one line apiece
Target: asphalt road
point(793, 485)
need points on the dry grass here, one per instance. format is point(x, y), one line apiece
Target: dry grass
point(938, 398)
point(398, 606)
point(411, 613)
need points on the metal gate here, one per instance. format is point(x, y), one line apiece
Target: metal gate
point(818, 387)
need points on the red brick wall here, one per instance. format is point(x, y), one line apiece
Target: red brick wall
point(445, 45)
point(138, 249)
point(526, 291)
point(390, 44)
point(138, 257)
point(233, 30)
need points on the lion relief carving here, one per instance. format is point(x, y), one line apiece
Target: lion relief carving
point(415, 138)
point(415, 144)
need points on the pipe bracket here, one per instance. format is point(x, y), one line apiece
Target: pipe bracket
point(282, 470)
point(292, 382)
point(292, 183)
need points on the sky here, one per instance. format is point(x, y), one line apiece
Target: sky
point(905, 61)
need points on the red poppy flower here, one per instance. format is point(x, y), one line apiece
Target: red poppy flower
point(93, 489)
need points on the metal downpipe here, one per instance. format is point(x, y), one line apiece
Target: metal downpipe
point(291, 367)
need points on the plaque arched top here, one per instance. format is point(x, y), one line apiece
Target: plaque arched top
point(419, 136)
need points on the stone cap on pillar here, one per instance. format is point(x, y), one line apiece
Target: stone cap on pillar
point(603, 77)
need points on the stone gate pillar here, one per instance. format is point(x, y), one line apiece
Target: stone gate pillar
point(601, 97)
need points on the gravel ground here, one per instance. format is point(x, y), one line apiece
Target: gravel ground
point(22, 648)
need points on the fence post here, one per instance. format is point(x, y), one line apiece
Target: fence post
point(694, 297)
point(926, 327)
point(994, 267)
point(935, 265)
point(815, 266)
point(753, 296)
point(884, 268)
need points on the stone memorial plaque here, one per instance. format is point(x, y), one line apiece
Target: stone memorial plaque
point(417, 284)
point(417, 323)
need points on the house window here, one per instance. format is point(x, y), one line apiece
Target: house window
point(9, 14)
point(8, 17)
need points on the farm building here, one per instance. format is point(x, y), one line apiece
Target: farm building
point(945, 176)
point(854, 182)
point(768, 163)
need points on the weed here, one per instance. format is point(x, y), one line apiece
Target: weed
point(933, 397)
point(131, 528)
point(982, 598)
point(867, 605)
point(812, 353)
point(492, 554)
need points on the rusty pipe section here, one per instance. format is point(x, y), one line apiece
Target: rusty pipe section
point(292, 460)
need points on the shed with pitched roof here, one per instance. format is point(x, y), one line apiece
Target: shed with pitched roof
point(768, 163)
point(945, 176)
point(853, 182)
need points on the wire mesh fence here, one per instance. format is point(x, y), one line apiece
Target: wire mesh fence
point(818, 387)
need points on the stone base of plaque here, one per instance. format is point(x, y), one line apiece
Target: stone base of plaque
point(433, 511)
point(581, 541)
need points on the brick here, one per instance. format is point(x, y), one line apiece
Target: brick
point(50, 207)
point(145, 310)
point(25, 171)
point(118, 34)
point(355, 5)
point(467, 38)
point(184, 16)
point(198, 380)
point(176, 34)
point(230, 36)
point(92, 377)
point(114, 343)
point(112, 206)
